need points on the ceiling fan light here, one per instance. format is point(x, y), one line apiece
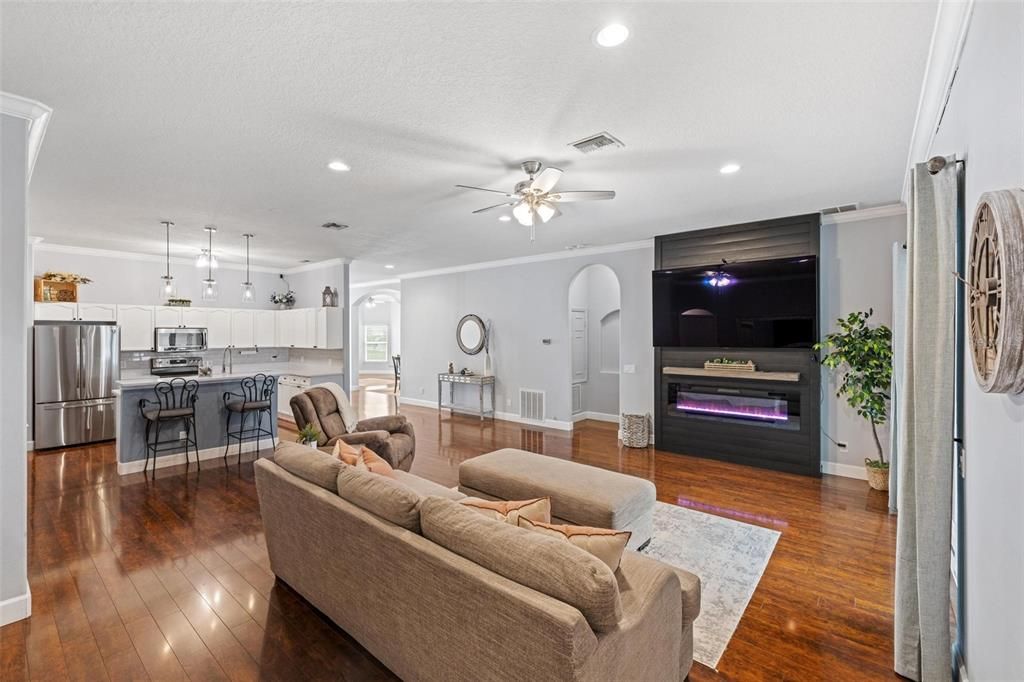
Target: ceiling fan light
point(545, 211)
point(523, 214)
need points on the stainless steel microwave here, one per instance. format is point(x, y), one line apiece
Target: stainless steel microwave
point(179, 339)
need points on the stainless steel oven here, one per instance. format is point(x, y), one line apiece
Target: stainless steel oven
point(179, 339)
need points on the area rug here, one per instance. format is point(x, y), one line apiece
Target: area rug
point(729, 556)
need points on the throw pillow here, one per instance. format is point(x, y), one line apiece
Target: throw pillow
point(346, 453)
point(607, 545)
point(510, 511)
point(363, 458)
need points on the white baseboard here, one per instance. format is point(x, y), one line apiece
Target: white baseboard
point(596, 416)
point(845, 470)
point(177, 458)
point(16, 608)
point(503, 416)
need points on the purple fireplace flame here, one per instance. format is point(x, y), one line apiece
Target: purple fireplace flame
point(738, 407)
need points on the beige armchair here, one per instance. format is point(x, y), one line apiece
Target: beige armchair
point(392, 437)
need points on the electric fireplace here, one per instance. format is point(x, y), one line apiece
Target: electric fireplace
point(771, 409)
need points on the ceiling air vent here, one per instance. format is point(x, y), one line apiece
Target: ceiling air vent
point(334, 226)
point(596, 142)
point(845, 208)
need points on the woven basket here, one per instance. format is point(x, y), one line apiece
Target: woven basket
point(878, 478)
point(636, 430)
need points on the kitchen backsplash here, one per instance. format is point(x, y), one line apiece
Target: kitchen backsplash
point(317, 355)
point(140, 359)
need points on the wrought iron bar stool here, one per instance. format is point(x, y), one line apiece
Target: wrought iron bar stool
point(175, 400)
point(254, 399)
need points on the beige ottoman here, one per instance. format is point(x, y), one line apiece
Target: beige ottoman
point(580, 495)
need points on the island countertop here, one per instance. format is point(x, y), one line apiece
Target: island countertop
point(141, 378)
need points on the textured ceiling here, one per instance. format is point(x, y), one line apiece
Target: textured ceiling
point(228, 113)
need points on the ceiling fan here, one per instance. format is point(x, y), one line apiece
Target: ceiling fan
point(534, 201)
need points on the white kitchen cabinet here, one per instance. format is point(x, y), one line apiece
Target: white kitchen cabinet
point(265, 328)
point(167, 316)
point(242, 329)
point(56, 311)
point(195, 317)
point(291, 328)
point(218, 328)
point(136, 323)
point(328, 328)
point(97, 312)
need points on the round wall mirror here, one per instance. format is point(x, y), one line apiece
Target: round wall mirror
point(471, 334)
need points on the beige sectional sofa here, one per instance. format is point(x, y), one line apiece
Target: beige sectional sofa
point(437, 591)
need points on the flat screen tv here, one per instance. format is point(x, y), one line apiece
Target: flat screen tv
point(754, 304)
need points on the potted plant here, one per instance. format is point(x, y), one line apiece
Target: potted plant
point(309, 435)
point(863, 356)
point(285, 300)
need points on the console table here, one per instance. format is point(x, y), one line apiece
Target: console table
point(479, 380)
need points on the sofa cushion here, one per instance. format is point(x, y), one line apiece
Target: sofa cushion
point(607, 545)
point(545, 564)
point(510, 511)
point(309, 464)
point(380, 495)
point(426, 488)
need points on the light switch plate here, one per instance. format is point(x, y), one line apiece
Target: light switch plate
point(629, 369)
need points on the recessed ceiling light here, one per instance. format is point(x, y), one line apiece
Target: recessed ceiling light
point(505, 218)
point(339, 166)
point(389, 266)
point(611, 35)
point(729, 168)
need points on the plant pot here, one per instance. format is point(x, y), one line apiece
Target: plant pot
point(878, 477)
point(309, 444)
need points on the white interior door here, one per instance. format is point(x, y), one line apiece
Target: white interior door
point(580, 350)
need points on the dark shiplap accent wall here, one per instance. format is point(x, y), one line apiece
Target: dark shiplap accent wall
point(793, 451)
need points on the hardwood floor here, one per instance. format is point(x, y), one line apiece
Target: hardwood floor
point(167, 576)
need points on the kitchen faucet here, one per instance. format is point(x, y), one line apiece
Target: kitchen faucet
point(228, 365)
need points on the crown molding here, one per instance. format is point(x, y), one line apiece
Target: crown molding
point(952, 21)
point(38, 116)
point(537, 258)
point(863, 214)
point(38, 244)
point(374, 283)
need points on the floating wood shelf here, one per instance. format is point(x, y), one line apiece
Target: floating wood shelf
point(741, 374)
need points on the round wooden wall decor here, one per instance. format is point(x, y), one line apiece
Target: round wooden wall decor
point(996, 280)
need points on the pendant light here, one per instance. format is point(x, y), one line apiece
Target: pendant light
point(210, 290)
point(167, 286)
point(248, 290)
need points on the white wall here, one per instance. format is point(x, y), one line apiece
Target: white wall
point(596, 290)
point(984, 123)
point(136, 280)
point(856, 274)
point(525, 303)
point(14, 295)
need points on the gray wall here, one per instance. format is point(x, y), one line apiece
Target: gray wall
point(596, 289)
point(856, 274)
point(984, 123)
point(14, 297)
point(137, 281)
point(308, 285)
point(525, 304)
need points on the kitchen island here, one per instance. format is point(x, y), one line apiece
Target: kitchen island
point(211, 414)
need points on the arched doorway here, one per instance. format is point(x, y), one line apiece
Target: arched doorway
point(593, 309)
point(375, 339)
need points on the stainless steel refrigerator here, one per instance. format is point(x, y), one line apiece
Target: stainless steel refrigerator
point(76, 372)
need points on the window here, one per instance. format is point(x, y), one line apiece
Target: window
point(375, 343)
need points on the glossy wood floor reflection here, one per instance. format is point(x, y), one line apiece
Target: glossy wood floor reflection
point(167, 577)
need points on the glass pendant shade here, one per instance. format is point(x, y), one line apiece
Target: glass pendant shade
point(545, 210)
point(167, 288)
point(210, 290)
point(248, 292)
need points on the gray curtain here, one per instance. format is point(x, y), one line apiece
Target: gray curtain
point(922, 646)
point(899, 333)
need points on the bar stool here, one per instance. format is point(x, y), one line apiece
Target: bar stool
point(253, 399)
point(175, 399)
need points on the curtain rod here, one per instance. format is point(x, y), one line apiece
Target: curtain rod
point(937, 163)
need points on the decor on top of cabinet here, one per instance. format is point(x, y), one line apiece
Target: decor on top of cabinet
point(68, 277)
point(329, 297)
point(58, 287)
point(179, 302)
point(863, 356)
point(730, 365)
point(995, 289)
point(285, 300)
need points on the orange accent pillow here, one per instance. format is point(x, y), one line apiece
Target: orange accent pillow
point(607, 545)
point(510, 511)
point(364, 458)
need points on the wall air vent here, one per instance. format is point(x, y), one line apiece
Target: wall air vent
point(845, 208)
point(531, 404)
point(595, 142)
point(334, 226)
